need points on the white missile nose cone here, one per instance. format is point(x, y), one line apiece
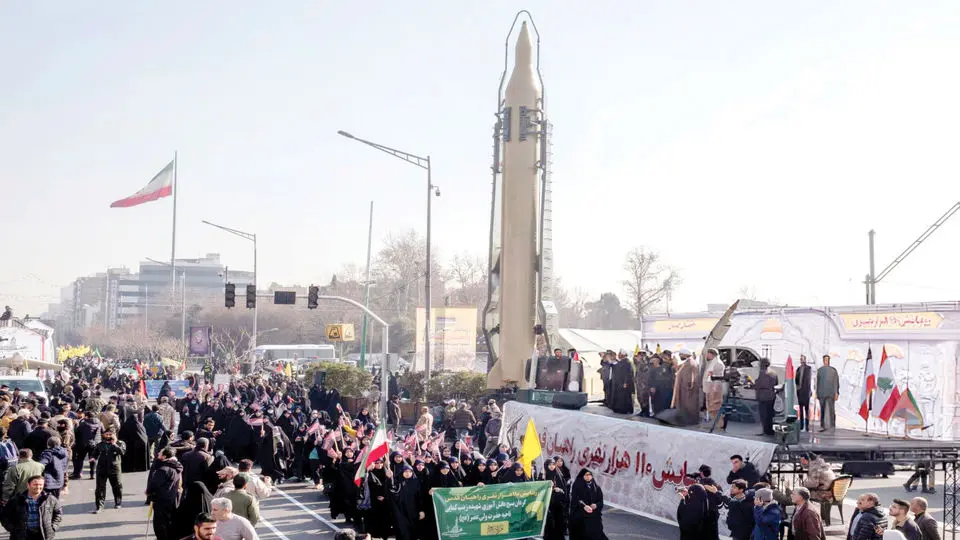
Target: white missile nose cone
point(524, 50)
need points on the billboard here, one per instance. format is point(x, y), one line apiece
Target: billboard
point(200, 340)
point(453, 338)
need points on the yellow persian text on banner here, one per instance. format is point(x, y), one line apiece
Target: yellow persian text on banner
point(926, 320)
point(673, 326)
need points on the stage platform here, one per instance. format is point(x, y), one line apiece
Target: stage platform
point(839, 444)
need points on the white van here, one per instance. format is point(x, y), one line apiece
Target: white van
point(26, 384)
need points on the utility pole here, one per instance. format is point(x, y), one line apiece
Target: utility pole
point(366, 293)
point(872, 277)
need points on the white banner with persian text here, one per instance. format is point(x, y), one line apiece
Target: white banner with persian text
point(638, 466)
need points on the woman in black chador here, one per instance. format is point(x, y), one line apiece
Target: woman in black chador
point(559, 501)
point(406, 503)
point(134, 435)
point(586, 507)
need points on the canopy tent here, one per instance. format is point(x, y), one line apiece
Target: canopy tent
point(17, 360)
point(590, 343)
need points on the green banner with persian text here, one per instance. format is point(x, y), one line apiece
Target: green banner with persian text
point(497, 512)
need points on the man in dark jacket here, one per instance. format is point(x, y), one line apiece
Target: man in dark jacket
point(739, 508)
point(463, 421)
point(33, 514)
point(196, 462)
point(765, 387)
point(157, 434)
point(393, 413)
point(163, 490)
point(867, 519)
point(37, 439)
point(87, 438)
point(742, 470)
point(109, 454)
point(54, 461)
point(928, 525)
point(804, 377)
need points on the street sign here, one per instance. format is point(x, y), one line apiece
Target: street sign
point(340, 332)
point(286, 298)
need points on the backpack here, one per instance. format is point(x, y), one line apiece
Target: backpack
point(8, 453)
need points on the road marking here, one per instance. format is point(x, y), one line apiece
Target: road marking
point(276, 531)
point(316, 516)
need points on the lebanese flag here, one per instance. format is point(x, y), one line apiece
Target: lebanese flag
point(161, 186)
point(887, 385)
point(378, 449)
point(869, 387)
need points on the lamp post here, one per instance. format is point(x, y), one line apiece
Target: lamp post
point(253, 238)
point(432, 191)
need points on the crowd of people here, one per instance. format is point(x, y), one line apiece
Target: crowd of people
point(675, 382)
point(757, 510)
point(201, 450)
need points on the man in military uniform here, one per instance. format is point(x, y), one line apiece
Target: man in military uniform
point(641, 379)
point(109, 453)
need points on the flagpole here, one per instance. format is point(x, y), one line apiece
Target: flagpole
point(173, 241)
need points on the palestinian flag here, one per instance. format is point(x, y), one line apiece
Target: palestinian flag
point(908, 409)
point(378, 449)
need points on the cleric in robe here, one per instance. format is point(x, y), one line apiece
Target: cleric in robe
point(621, 384)
point(686, 389)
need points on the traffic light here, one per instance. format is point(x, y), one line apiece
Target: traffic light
point(251, 296)
point(313, 297)
point(230, 295)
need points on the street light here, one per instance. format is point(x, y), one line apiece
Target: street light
point(253, 238)
point(432, 191)
point(183, 297)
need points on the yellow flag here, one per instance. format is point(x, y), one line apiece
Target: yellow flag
point(288, 371)
point(658, 349)
point(530, 449)
point(636, 350)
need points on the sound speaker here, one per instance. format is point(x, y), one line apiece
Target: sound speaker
point(553, 373)
point(867, 468)
point(569, 400)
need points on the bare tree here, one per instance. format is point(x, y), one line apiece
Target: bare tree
point(648, 280)
point(747, 292)
point(467, 277)
point(571, 305)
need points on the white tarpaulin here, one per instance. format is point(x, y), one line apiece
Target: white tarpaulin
point(638, 466)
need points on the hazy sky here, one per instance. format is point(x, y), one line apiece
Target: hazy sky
point(752, 143)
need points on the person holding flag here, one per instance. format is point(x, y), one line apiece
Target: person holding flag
point(530, 449)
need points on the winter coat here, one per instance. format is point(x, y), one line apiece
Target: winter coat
point(15, 481)
point(54, 461)
point(867, 524)
point(163, 483)
point(766, 522)
point(109, 456)
point(15, 516)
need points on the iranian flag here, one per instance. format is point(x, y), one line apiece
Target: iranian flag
point(869, 387)
point(887, 385)
point(378, 449)
point(160, 186)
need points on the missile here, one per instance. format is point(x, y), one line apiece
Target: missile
point(514, 271)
